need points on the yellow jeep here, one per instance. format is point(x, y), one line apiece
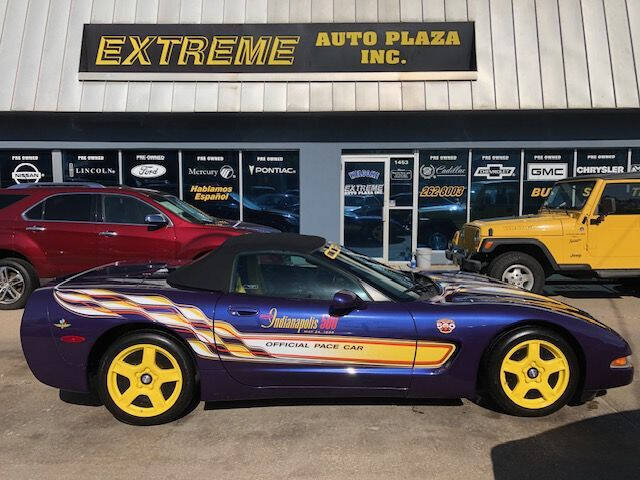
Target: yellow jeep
point(587, 227)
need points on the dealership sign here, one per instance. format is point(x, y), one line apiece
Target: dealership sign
point(279, 52)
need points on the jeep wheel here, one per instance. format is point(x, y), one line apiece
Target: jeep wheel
point(518, 269)
point(17, 280)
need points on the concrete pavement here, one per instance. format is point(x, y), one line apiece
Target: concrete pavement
point(42, 437)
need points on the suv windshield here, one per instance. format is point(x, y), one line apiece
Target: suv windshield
point(183, 209)
point(396, 284)
point(568, 195)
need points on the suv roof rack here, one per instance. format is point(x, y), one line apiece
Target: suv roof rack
point(57, 184)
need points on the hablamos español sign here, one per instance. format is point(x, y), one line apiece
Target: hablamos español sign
point(288, 52)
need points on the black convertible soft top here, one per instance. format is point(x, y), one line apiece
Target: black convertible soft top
point(213, 271)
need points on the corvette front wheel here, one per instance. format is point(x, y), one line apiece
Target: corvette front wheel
point(531, 372)
point(146, 378)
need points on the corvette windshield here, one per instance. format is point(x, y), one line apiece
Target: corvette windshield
point(396, 284)
point(183, 209)
point(568, 195)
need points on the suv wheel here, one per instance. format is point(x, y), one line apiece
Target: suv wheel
point(518, 269)
point(17, 280)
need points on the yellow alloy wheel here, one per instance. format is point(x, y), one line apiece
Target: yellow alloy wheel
point(534, 374)
point(144, 380)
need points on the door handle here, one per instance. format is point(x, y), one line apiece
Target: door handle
point(243, 311)
point(35, 228)
point(108, 233)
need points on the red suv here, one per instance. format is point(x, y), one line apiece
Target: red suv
point(50, 230)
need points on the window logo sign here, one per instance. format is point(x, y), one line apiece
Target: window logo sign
point(17, 167)
point(148, 170)
point(495, 171)
point(279, 52)
point(601, 161)
point(542, 172)
point(26, 173)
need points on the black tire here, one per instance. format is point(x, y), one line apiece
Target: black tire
point(30, 281)
point(492, 375)
point(181, 404)
point(502, 263)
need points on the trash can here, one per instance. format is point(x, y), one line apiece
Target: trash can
point(423, 258)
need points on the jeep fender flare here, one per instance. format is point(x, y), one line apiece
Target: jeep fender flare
point(497, 242)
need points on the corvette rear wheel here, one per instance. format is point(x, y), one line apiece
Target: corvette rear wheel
point(146, 378)
point(531, 372)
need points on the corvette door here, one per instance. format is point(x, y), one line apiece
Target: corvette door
point(277, 329)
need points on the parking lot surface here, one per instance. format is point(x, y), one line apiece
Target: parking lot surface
point(42, 437)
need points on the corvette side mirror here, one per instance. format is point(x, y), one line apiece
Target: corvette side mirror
point(345, 301)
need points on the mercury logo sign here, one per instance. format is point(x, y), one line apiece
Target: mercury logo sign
point(255, 169)
point(495, 171)
point(226, 172)
point(539, 172)
point(26, 173)
point(148, 170)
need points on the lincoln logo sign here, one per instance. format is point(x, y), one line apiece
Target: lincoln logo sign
point(286, 52)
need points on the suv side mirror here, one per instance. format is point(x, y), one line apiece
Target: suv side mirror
point(345, 301)
point(607, 206)
point(155, 220)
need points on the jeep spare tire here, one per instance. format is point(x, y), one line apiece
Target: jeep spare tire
point(519, 270)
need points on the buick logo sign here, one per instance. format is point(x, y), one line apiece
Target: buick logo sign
point(26, 173)
point(495, 171)
point(226, 171)
point(148, 170)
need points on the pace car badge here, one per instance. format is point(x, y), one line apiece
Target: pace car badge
point(445, 325)
point(62, 324)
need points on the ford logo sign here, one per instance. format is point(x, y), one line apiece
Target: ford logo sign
point(148, 170)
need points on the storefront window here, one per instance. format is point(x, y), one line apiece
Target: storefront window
point(157, 170)
point(211, 181)
point(25, 167)
point(271, 189)
point(542, 168)
point(442, 196)
point(495, 183)
point(91, 166)
point(601, 161)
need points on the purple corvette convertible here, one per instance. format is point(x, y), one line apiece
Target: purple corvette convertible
point(285, 315)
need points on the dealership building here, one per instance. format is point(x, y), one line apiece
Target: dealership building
point(381, 124)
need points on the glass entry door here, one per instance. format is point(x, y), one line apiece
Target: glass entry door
point(378, 196)
point(364, 199)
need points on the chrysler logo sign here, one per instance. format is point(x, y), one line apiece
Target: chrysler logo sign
point(26, 173)
point(148, 170)
point(495, 171)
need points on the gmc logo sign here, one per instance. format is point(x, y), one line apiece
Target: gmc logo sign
point(544, 172)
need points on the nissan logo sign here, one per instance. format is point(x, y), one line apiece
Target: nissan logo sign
point(148, 170)
point(26, 173)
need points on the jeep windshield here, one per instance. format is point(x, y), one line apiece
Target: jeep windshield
point(183, 209)
point(568, 195)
